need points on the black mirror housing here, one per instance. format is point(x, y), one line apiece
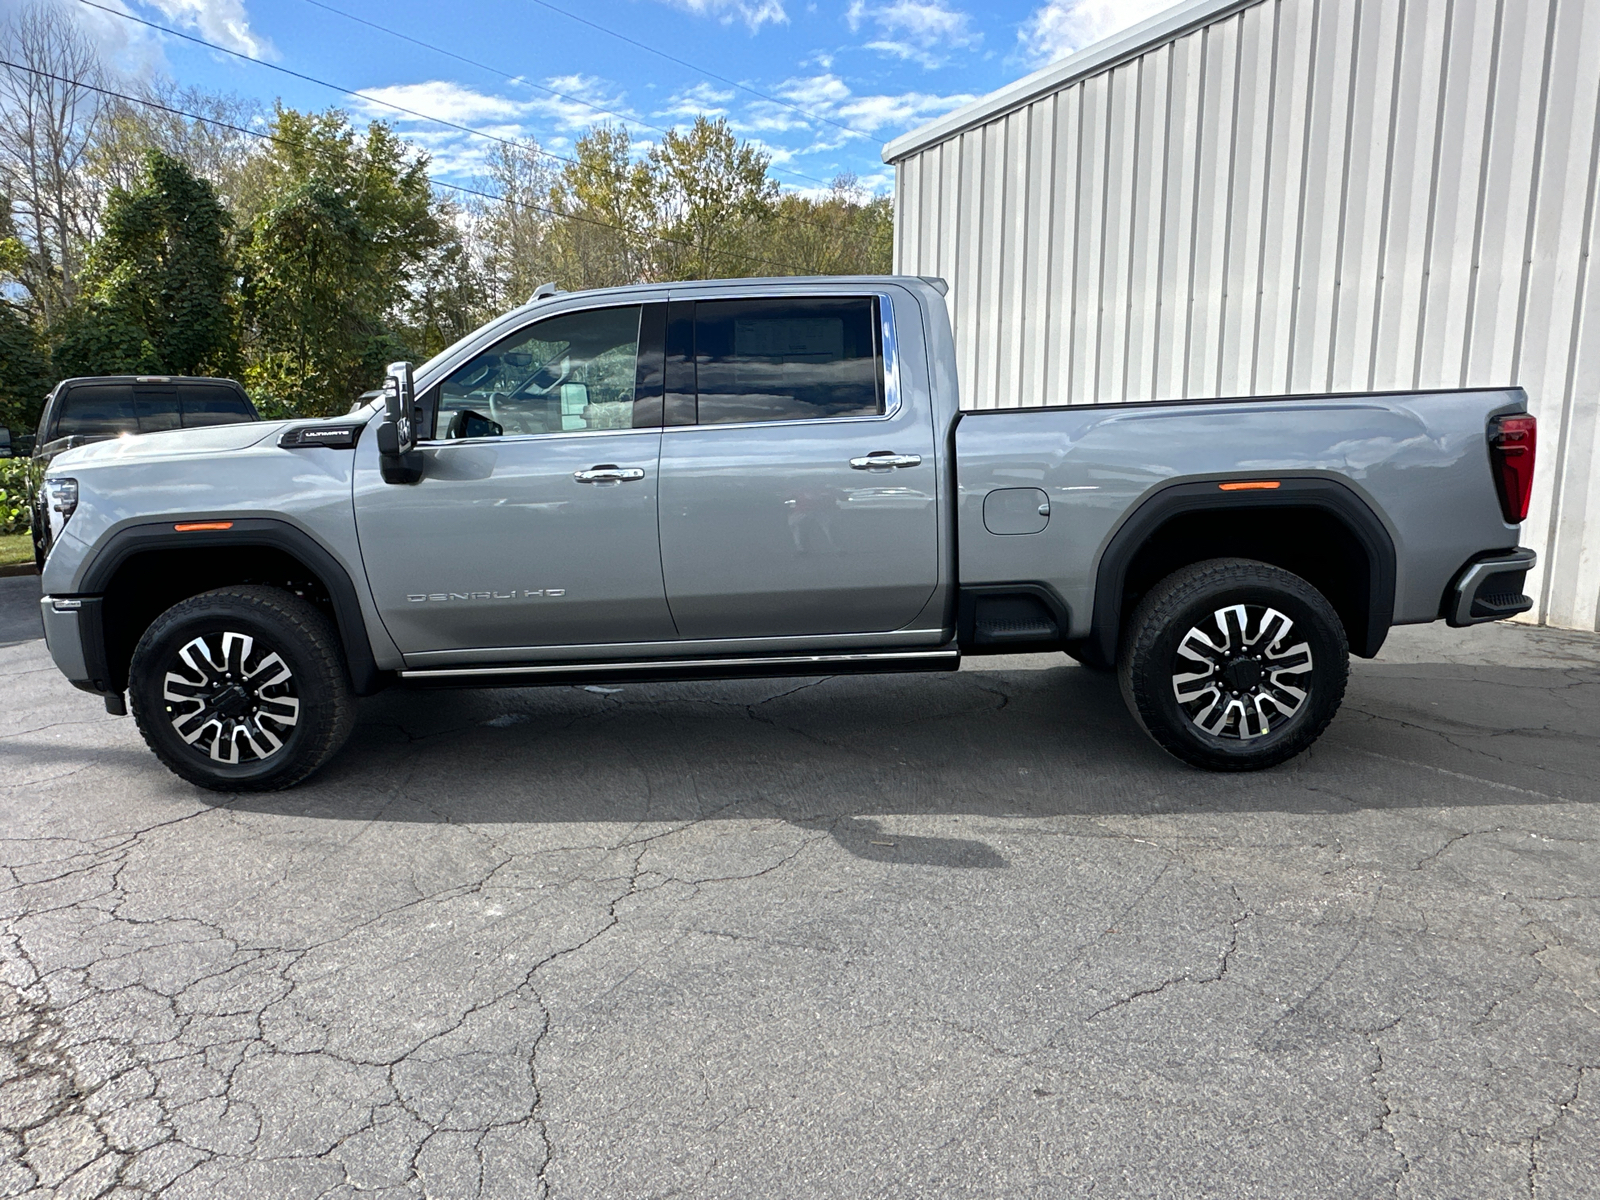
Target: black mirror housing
point(398, 456)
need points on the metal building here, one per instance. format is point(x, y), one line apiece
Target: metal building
point(1269, 196)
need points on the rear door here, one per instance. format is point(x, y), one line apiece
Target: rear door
point(798, 492)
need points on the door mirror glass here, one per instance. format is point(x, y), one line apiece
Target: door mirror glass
point(469, 424)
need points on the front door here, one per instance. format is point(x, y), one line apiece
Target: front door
point(534, 524)
point(797, 497)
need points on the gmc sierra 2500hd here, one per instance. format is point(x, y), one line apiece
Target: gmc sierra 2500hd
point(766, 477)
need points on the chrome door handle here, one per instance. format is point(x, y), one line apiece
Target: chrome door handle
point(609, 473)
point(880, 460)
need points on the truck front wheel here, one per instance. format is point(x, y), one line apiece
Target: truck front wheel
point(241, 689)
point(1234, 665)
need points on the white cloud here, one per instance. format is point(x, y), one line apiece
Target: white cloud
point(129, 49)
point(444, 99)
point(224, 22)
point(754, 13)
point(1061, 27)
point(922, 31)
point(872, 113)
point(703, 99)
point(585, 100)
point(830, 97)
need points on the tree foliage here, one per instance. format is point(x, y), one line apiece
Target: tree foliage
point(307, 254)
point(24, 371)
point(346, 221)
point(159, 283)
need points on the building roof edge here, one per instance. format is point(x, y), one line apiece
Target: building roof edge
point(1091, 60)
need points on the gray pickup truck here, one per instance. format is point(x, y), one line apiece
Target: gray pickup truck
point(766, 478)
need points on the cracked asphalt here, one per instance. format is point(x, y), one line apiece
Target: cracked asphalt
point(962, 935)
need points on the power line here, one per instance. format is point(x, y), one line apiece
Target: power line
point(200, 41)
point(701, 70)
point(515, 144)
point(509, 77)
point(455, 187)
point(506, 75)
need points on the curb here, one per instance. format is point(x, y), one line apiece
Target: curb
point(18, 569)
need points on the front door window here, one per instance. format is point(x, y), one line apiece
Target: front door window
point(571, 373)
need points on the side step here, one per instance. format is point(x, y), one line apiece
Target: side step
point(680, 669)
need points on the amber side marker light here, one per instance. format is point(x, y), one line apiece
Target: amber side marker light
point(197, 526)
point(1251, 485)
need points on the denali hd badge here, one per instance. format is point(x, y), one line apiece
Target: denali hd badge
point(513, 594)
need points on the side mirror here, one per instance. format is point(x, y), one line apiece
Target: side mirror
point(398, 456)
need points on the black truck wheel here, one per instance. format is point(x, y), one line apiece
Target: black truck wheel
point(1234, 665)
point(241, 689)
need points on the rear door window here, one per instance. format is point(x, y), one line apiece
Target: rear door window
point(214, 406)
point(791, 359)
point(97, 410)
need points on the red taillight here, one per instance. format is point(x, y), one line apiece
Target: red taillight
point(1513, 442)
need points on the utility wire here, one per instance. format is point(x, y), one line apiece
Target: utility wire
point(855, 236)
point(789, 268)
point(510, 78)
point(701, 70)
point(515, 144)
point(200, 41)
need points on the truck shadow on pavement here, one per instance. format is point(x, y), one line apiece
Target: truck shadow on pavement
point(856, 756)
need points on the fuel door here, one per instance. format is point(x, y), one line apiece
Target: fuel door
point(1016, 510)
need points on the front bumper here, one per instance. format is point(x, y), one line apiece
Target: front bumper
point(1490, 588)
point(75, 637)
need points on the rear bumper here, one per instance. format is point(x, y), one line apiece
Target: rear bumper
point(1490, 588)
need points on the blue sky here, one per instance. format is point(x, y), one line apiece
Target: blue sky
point(820, 84)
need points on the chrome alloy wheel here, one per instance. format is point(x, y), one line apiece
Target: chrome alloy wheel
point(1241, 674)
point(230, 701)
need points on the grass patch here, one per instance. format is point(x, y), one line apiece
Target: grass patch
point(16, 548)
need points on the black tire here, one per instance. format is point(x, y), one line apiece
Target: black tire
point(1211, 671)
point(260, 703)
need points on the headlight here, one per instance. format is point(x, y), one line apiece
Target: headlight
point(63, 494)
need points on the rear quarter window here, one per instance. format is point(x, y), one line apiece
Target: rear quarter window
point(214, 406)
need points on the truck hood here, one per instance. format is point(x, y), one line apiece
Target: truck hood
point(174, 443)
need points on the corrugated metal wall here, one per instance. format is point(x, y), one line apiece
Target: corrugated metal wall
point(1306, 195)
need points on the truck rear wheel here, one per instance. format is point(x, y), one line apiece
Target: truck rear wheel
point(241, 689)
point(1234, 665)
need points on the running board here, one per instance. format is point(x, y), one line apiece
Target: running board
point(679, 669)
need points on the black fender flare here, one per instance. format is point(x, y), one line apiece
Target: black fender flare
point(365, 675)
point(1328, 495)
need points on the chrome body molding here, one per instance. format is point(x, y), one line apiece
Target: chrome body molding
point(888, 660)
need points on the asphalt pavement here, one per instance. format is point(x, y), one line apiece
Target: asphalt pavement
point(951, 936)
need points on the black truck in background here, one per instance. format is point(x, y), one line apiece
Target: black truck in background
point(96, 408)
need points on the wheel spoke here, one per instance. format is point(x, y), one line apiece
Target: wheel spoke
point(231, 697)
point(1240, 674)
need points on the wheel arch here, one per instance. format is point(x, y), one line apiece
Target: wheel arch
point(1318, 528)
point(144, 569)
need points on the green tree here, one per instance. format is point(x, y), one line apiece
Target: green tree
point(714, 202)
point(848, 231)
point(24, 372)
point(160, 283)
point(347, 226)
point(609, 200)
